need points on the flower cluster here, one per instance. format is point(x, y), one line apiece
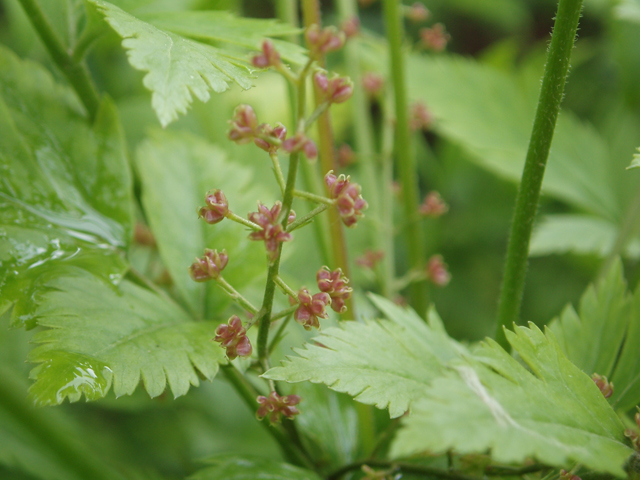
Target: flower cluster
point(605, 386)
point(216, 207)
point(347, 196)
point(437, 271)
point(272, 232)
point(300, 142)
point(310, 308)
point(417, 13)
point(435, 38)
point(269, 56)
point(269, 138)
point(336, 89)
point(433, 205)
point(209, 266)
point(325, 40)
point(373, 83)
point(632, 434)
point(420, 118)
point(336, 285)
point(244, 125)
point(370, 258)
point(276, 406)
point(351, 27)
point(233, 337)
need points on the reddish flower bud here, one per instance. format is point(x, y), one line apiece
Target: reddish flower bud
point(417, 13)
point(435, 38)
point(345, 155)
point(347, 196)
point(351, 27)
point(433, 205)
point(370, 258)
point(603, 384)
point(233, 337)
point(310, 308)
point(272, 232)
point(274, 406)
point(209, 266)
point(336, 285)
point(243, 124)
point(633, 436)
point(216, 207)
point(336, 89)
point(564, 475)
point(300, 142)
point(321, 41)
point(275, 136)
point(437, 271)
point(373, 83)
point(420, 118)
point(269, 56)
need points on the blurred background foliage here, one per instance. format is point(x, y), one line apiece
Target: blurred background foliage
point(502, 41)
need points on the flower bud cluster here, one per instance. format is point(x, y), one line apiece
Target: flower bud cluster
point(275, 136)
point(233, 337)
point(209, 266)
point(370, 259)
point(564, 475)
point(605, 386)
point(310, 308)
point(435, 38)
point(420, 118)
point(433, 205)
point(325, 40)
point(300, 143)
point(351, 27)
point(216, 207)
point(272, 232)
point(437, 271)
point(336, 89)
point(347, 196)
point(269, 56)
point(336, 285)
point(274, 406)
point(373, 83)
point(632, 434)
point(417, 13)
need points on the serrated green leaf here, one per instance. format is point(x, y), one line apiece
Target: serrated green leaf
point(488, 113)
point(178, 67)
point(251, 468)
point(636, 160)
point(177, 170)
point(97, 335)
point(383, 363)
point(552, 412)
point(626, 378)
point(580, 234)
point(65, 193)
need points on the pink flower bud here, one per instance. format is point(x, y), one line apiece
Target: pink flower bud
point(233, 337)
point(603, 384)
point(300, 142)
point(310, 308)
point(564, 475)
point(336, 90)
point(417, 13)
point(216, 207)
point(274, 137)
point(269, 56)
point(351, 27)
point(272, 232)
point(420, 118)
point(345, 155)
point(336, 285)
point(243, 124)
point(373, 83)
point(347, 196)
point(437, 271)
point(370, 259)
point(274, 406)
point(433, 206)
point(321, 41)
point(435, 38)
point(209, 266)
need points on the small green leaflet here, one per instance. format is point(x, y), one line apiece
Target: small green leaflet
point(97, 335)
point(636, 160)
point(180, 65)
point(230, 467)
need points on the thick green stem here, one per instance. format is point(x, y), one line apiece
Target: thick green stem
point(551, 92)
point(75, 72)
point(404, 152)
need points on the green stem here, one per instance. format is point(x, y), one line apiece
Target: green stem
point(280, 333)
point(302, 221)
point(278, 172)
point(243, 221)
point(286, 289)
point(402, 467)
point(313, 197)
point(75, 72)
point(404, 153)
point(284, 313)
point(551, 92)
point(236, 296)
point(320, 109)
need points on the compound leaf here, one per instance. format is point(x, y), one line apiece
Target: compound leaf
point(97, 335)
point(65, 185)
point(251, 468)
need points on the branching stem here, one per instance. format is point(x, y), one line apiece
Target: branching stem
point(236, 296)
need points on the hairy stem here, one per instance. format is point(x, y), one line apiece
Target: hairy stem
point(551, 92)
point(404, 153)
point(75, 72)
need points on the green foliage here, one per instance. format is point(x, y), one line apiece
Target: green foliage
point(98, 335)
point(636, 160)
point(250, 468)
point(66, 189)
point(178, 67)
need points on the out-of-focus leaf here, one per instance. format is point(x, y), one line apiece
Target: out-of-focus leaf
point(97, 335)
point(552, 412)
point(580, 234)
point(250, 468)
point(603, 337)
point(178, 67)
point(486, 112)
point(177, 170)
point(65, 186)
point(383, 363)
point(628, 10)
point(636, 160)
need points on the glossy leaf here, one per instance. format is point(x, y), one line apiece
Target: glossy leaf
point(548, 410)
point(383, 363)
point(65, 188)
point(178, 67)
point(579, 234)
point(250, 468)
point(177, 170)
point(97, 335)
